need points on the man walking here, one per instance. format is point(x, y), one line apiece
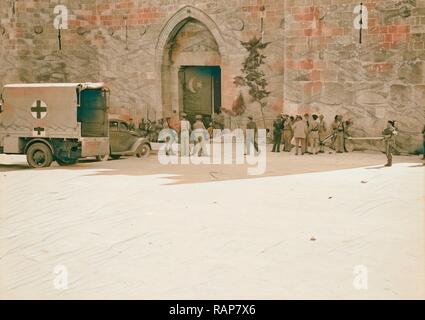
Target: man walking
point(251, 135)
point(277, 134)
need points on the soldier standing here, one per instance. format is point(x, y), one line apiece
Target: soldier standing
point(307, 138)
point(314, 134)
point(389, 134)
point(338, 128)
point(322, 132)
point(277, 134)
point(251, 136)
point(185, 136)
point(287, 133)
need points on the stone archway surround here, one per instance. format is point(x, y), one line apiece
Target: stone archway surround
point(171, 29)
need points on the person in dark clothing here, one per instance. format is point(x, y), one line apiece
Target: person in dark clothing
point(277, 134)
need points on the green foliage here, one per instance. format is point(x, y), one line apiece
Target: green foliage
point(252, 75)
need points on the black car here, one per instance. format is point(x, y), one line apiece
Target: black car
point(124, 142)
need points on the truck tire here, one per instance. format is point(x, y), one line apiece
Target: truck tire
point(103, 158)
point(39, 156)
point(143, 151)
point(67, 162)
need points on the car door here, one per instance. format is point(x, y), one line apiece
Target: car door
point(114, 136)
point(127, 139)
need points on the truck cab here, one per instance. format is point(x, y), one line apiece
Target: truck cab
point(54, 122)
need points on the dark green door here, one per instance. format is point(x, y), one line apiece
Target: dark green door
point(201, 90)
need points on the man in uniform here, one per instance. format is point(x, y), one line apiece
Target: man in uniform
point(277, 134)
point(307, 138)
point(338, 129)
point(389, 134)
point(314, 134)
point(185, 136)
point(200, 137)
point(322, 132)
point(251, 137)
point(287, 133)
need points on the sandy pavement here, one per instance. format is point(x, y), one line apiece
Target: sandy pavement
point(135, 229)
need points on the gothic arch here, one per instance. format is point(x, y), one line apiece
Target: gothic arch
point(174, 24)
point(169, 31)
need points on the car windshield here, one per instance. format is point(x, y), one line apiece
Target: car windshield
point(123, 126)
point(113, 126)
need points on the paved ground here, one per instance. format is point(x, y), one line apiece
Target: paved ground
point(135, 229)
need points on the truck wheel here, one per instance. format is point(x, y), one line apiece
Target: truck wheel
point(102, 158)
point(67, 162)
point(143, 151)
point(39, 156)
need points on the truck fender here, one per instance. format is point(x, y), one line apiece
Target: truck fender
point(31, 142)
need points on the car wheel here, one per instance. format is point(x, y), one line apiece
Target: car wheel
point(39, 156)
point(143, 151)
point(116, 157)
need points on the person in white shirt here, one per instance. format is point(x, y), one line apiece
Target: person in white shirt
point(185, 136)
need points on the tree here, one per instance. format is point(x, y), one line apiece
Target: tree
point(253, 76)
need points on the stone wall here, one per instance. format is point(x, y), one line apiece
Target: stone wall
point(329, 71)
point(314, 62)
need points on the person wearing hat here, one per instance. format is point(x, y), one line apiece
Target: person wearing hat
point(200, 134)
point(307, 121)
point(314, 134)
point(338, 128)
point(184, 136)
point(251, 137)
point(389, 133)
point(287, 133)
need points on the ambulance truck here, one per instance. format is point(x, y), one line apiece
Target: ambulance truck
point(59, 122)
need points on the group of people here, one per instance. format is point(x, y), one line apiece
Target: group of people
point(309, 133)
point(152, 129)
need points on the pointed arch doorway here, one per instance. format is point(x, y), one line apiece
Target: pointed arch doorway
point(191, 53)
